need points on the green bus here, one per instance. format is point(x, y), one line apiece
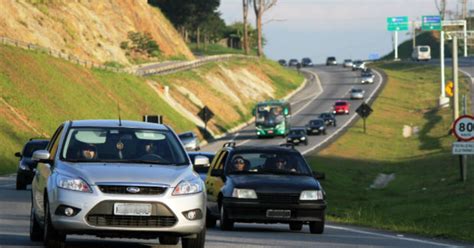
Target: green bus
point(272, 118)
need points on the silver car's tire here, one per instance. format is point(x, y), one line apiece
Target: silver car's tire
point(197, 242)
point(52, 238)
point(36, 232)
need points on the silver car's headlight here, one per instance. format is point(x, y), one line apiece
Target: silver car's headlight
point(244, 193)
point(187, 187)
point(74, 184)
point(311, 195)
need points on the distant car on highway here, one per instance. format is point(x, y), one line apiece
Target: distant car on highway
point(331, 61)
point(358, 65)
point(264, 184)
point(190, 141)
point(328, 118)
point(201, 162)
point(114, 178)
point(357, 93)
point(367, 77)
point(347, 63)
point(26, 165)
point(297, 135)
point(293, 62)
point(316, 126)
point(341, 107)
point(282, 62)
point(306, 62)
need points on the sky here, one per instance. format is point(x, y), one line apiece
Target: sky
point(320, 28)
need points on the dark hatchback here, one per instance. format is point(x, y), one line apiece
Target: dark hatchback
point(306, 62)
point(293, 62)
point(264, 184)
point(282, 62)
point(26, 165)
point(297, 136)
point(316, 126)
point(328, 118)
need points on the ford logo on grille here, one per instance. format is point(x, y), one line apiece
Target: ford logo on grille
point(133, 190)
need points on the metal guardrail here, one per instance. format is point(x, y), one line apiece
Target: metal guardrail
point(161, 70)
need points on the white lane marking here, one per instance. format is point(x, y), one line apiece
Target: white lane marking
point(390, 236)
point(347, 122)
point(318, 82)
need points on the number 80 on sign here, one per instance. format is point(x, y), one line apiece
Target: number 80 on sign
point(464, 128)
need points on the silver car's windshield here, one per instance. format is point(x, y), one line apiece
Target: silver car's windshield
point(122, 145)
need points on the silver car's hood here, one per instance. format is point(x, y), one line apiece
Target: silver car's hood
point(95, 173)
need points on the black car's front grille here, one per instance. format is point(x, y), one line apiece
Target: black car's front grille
point(131, 221)
point(123, 190)
point(278, 198)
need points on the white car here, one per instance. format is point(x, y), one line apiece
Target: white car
point(347, 63)
point(367, 77)
point(357, 93)
point(358, 65)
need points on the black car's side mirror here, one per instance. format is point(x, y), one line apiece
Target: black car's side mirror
point(18, 154)
point(319, 175)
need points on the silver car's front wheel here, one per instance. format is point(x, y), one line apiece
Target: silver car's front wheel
point(36, 232)
point(52, 238)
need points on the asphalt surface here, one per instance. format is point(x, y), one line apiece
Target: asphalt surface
point(330, 84)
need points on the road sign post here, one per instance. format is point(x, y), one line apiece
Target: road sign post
point(364, 110)
point(205, 114)
point(395, 24)
point(463, 129)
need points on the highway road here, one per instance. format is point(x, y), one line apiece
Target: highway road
point(327, 85)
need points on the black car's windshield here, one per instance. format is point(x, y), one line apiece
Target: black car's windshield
point(268, 162)
point(32, 147)
point(122, 145)
point(317, 122)
point(297, 132)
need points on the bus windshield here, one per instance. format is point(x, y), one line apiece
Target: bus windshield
point(269, 114)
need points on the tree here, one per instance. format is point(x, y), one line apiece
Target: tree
point(245, 5)
point(260, 7)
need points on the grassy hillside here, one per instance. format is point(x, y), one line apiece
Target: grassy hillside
point(426, 197)
point(426, 38)
point(46, 91)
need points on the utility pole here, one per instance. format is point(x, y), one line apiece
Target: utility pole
point(413, 25)
point(455, 77)
point(395, 44)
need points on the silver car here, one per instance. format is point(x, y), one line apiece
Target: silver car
point(367, 77)
point(358, 65)
point(190, 141)
point(357, 93)
point(347, 63)
point(113, 178)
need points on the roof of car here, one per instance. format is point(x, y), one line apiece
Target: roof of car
point(116, 123)
point(38, 141)
point(263, 148)
point(342, 101)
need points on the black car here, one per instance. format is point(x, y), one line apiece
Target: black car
point(297, 136)
point(201, 162)
point(264, 184)
point(27, 166)
point(328, 118)
point(316, 126)
point(282, 62)
point(331, 61)
point(306, 62)
point(293, 62)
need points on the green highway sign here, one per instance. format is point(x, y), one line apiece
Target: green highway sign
point(397, 23)
point(430, 23)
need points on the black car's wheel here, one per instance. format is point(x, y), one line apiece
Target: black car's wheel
point(36, 232)
point(317, 227)
point(306, 142)
point(52, 238)
point(334, 124)
point(210, 220)
point(324, 132)
point(225, 223)
point(169, 240)
point(296, 226)
point(20, 182)
point(197, 242)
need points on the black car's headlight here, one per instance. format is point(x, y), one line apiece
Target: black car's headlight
point(244, 193)
point(311, 195)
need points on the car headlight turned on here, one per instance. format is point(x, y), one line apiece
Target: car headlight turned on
point(187, 187)
point(244, 193)
point(74, 184)
point(311, 195)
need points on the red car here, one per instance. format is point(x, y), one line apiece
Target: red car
point(341, 107)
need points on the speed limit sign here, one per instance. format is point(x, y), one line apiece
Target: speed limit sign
point(464, 128)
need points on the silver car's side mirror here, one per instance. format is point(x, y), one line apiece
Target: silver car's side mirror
point(201, 161)
point(41, 155)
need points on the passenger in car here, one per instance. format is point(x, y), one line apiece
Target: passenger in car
point(89, 152)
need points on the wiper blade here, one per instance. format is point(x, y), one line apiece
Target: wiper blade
point(144, 161)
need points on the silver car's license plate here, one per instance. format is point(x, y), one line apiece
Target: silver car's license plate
point(132, 209)
point(278, 213)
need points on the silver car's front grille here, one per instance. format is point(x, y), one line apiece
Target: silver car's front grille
point(131, 221)
point(138, 190)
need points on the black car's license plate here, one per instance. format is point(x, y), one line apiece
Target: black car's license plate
point(278, 213)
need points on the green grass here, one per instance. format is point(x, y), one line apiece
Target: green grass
point(48, 91)
point(427, 196)
point(215, 49)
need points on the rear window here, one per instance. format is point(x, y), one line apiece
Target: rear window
point(424, 49)
point(341, 103)
point(185, 135)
